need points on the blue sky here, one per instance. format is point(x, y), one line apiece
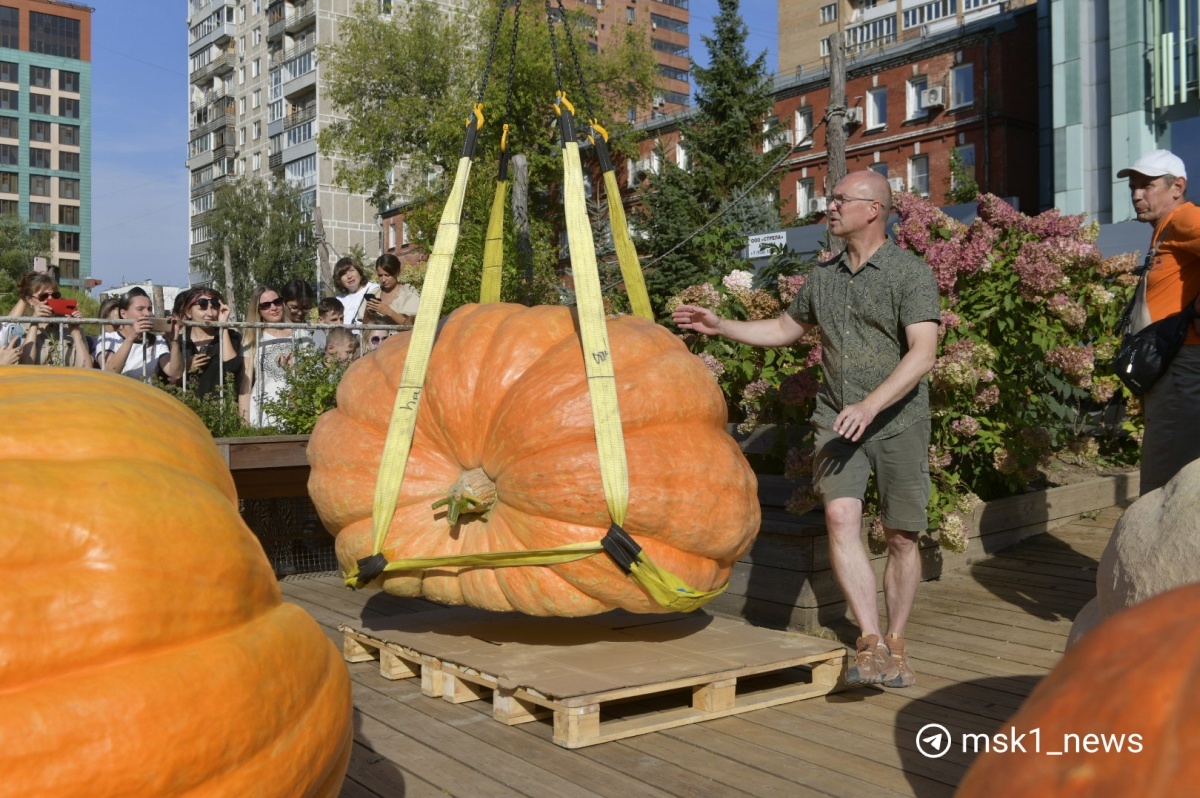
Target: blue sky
point(139, 131)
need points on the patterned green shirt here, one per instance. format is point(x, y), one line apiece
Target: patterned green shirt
point(862, 316)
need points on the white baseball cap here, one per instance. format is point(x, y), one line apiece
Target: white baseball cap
point(1156, 164)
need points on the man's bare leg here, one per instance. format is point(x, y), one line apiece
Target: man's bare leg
point(901, 577)
point(851, 565)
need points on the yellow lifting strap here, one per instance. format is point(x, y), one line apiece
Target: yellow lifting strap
point(631, 267)
point(664, 587)
point(493, 246)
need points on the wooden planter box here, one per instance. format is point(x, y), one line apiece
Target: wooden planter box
point(787, 580)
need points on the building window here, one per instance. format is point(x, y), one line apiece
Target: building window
point(69, 135)
point(68, 188)
point(241, 75)
point(962, 85)
point(68, 214)
point(918, 175)
point(68, 242)
point(681, 156)
point(879, 168)
point(772, 135)
point(257, 99)
point(630, 14)
point(676, 25)
point(966, 153)
point(39, 77)
point(10, 183)
point(10, 100)
point(806, 192)
point(929, 12)
point(674, 73)
point(39, 131)
point(10, 28)
point(915, 86)
point(68, 269)
point(829, 13)
point(803, 125)
point(10, 154)
point(68, 161)
point(876, 108)
point(9, 72)
point(257, 36)
point(10, 127)
point(53, 35)
point(39, 213)
point(68, 108)
point(39, 103)
point(254, 67)
point(256, 161)
point(39, 185)
point(39, 158)
point(258, 131)
point(68, 81)
point(10, 206)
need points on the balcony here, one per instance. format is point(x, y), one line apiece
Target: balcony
point(302, 16)
point(299, 117)
point(221, 65)
point(275, 161)
point(281, 57)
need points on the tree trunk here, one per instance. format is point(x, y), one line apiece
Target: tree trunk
point(229, 297)
point(520, 200)
point(835, 115)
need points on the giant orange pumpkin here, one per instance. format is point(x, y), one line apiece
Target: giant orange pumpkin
point(1130, 681)
point(144, 646)
point(506, 410)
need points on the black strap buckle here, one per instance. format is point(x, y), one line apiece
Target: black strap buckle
point(623, 549)
point(369, 568)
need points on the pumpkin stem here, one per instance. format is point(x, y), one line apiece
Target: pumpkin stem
point(473, 494)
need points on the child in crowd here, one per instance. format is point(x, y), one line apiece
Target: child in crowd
point(329, 311)
point(341, 345)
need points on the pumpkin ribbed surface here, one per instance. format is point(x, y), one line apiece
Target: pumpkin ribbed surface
point(506, 401)
point(144, 645)
point(1135, 674)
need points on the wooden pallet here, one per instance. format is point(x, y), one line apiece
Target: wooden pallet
point(601, 678)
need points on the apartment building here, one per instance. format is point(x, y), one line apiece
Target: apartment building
point(972, 89)
point(806, 25)
point(667, 21)
point(45, 126)
point(257, 105)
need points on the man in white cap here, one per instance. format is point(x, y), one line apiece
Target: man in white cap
point(1158, 188)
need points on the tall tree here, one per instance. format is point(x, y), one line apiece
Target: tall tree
point(268, 230)
point(723, 139)
point(406, 83)
point(19, 245)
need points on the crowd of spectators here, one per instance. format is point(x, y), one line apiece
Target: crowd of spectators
point(193, 348)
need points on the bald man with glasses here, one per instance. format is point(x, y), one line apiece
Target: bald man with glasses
point(876, 306)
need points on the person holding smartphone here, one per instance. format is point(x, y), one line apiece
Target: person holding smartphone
point(212, 354)
point(395, 302)
point(46, 343)
point(141, 353)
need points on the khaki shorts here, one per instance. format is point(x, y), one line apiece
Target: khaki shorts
point(841, 469)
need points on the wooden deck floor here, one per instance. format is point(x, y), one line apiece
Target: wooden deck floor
point(980, 640)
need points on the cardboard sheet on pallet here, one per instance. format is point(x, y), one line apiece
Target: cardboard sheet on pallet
point(565, 657)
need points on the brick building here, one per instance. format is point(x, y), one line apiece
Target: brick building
point(973, 88)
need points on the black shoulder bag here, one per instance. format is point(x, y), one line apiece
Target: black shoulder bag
point(1146, 355)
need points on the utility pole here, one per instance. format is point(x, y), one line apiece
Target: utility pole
point(835, 119)
point(227, 261)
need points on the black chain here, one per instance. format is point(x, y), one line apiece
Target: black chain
point(512, 63)
point(487, 69)
point(554, 45)
point(587, 102)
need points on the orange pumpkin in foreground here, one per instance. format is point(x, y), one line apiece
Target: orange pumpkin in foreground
point(506, 410)
point(1134, 675)
point(144, 646)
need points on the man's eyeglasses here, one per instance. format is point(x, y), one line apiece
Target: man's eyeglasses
point(48, 295)
point(842, 199)
point(271, 303)
point(205, 303)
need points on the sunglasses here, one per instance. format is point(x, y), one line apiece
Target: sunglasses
point(273, 303)
point(205, 303)
point(48, 295)
point(376, 340)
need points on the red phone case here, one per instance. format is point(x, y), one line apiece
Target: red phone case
point(62, 307)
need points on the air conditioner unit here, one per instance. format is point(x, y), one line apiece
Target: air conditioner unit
point(817, 205)
point(933, 98)
point(854, 116)
point(897, 183)
point(659, 101)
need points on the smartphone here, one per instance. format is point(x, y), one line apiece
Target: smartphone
point(62, 307)
point(161, 326)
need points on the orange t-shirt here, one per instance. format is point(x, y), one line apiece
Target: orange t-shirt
point(1174, 277)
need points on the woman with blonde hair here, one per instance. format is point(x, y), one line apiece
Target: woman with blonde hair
point(266, 355)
